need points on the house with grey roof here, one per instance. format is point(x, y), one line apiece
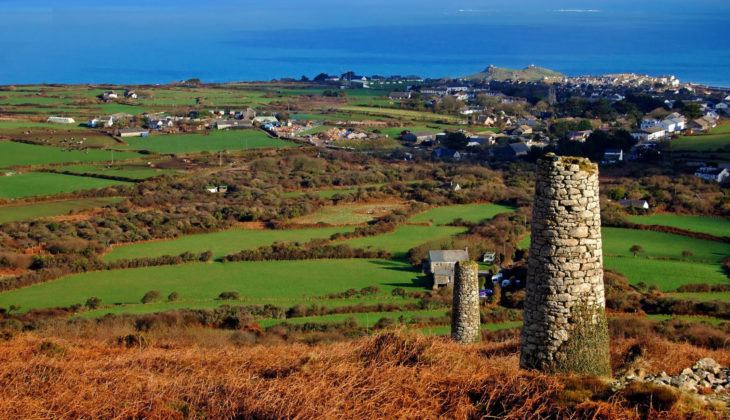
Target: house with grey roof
point(442, 265)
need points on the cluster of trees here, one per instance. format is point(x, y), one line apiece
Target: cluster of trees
point(288, 251)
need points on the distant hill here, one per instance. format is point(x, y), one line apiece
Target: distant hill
point(528, 74)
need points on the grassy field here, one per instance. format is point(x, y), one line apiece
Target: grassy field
point(616, 242)
point(55, 208)
point(664, 274)
point(446, 329)
point(220, 243)
point(126, 171)
point(702, 297)
point(400, 113)
point(468, 212)
point(213, 142)
point(21, 154)
point(713, 225)
point(661, 262)
point(347, 214)
point(367, 319)
point(702, 143)
point(41, 184)
point(280, 282)
point(405, 238)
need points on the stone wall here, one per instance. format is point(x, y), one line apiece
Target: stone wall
point(565, 326)
point(465, 309)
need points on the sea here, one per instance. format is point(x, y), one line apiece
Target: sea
point(136, 41)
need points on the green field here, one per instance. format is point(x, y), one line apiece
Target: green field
point(21, 154)
point(278, 282)
point(126, 171)
point(347, 214)
point(366, 319)
point(703, 296)
point(665, 274)
point(405, 238)
point(468, 212)
point(55, 208)
point(213, 142)
point(704, 224)
point(42, 184)
point(400, 113)
point(220, 243)
point(661, 262)
point(616, 242)
point(702, 143)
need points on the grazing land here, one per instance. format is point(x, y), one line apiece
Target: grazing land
point(467, 212)
point(220, 243)
point(405, 238)
point(41, 210)
point(21, 154)
point(704, 224)
point(279, 282)
point(213, 142)
point(347, 214)
point(35, 184)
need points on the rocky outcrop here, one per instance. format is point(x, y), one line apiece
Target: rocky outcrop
point(565, 326)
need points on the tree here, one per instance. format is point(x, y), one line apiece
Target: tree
point(172, 297)
point(636, 249)
point(229, 296)
point(93, 302)
point(457, 140)
point(687, 254)
point(321, 77)
point(151, 296)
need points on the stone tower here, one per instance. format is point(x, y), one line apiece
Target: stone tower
point(465, 309)
point(565, 327)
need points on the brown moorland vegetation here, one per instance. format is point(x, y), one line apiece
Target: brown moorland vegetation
point(393, 374)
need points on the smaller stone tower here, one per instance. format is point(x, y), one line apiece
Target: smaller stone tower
point(465, 310)
point(565, 327)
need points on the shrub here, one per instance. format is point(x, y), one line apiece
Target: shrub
point(93, 302)
point(172, 297)
point(151, 296)
point(51, 349)
point(233, 295)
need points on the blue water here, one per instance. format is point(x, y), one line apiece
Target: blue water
point(79, 41)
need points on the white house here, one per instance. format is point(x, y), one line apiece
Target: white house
point(649, 134)
point(713, 174)
point(612, 156)
point(61, 120)
point(263, 120)
point(133, 132)
point(648, 123)
point(634, 204)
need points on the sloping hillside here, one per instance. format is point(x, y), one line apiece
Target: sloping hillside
point(528, 74)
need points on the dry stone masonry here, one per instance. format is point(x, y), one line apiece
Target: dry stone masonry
point(465, 310)
point(564, 323)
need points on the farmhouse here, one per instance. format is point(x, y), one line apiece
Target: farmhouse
point(130, 94)
point(399, 96)
point(442, 265)
point(719, 175)
point(232, 124)
point(133, 132)
point(634, 204)
point(488, 120)
point(512, 151)
point(108, 95)
point(579, 136)
point(611, 156)
point(61, 120)
point(649, 134)
point(263, 120)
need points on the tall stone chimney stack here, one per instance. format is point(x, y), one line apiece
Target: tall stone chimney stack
point(565, 327)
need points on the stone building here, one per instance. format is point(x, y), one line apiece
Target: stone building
point(565, 327)
point(442, 265)
point(465, 318)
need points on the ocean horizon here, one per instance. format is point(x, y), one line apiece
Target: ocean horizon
point(136, 43)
